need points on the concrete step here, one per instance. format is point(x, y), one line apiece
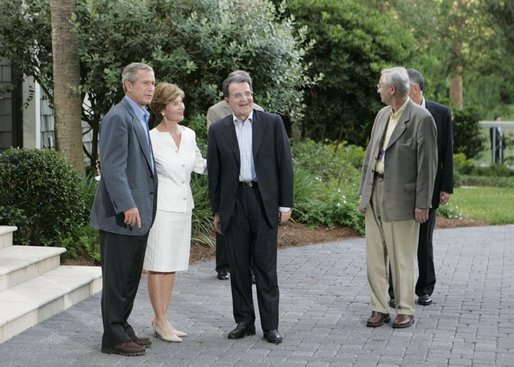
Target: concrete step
point(6, 233)
point(37, 299)
point(21, 263)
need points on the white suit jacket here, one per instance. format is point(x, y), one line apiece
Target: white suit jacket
point(174, 166)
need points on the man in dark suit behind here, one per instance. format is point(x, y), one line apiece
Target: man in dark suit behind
point(124, 207)
point(251, 191)
point(443, 185)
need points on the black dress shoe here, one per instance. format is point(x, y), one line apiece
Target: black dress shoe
point(391, 303)
point(142, 341)
point(242, 329)
point(125, 349)
point(223, 275)
point(424, 300)
point(272, 336)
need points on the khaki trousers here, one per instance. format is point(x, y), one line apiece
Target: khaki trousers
point(395, 243)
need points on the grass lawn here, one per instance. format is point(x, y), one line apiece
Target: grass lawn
point(494, 205)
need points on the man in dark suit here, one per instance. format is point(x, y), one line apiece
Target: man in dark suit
point(124, 207)
point(396, 191)
point(251, 191)
point(216, 112)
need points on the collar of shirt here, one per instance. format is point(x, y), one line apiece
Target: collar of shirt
point(141, 113)
point(423, 102)
point(397, 114)
point(239, 122)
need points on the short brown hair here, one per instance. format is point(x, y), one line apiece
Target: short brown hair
point(164, 94)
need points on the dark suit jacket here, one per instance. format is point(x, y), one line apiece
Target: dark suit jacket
point(272, 159)
point(444, 175)
point(127, 178)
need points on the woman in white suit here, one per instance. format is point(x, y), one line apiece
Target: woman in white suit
point(176, 156)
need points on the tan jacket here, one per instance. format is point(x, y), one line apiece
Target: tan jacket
point(410, 163)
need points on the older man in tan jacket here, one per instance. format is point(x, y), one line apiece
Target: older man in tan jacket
point(396, 193)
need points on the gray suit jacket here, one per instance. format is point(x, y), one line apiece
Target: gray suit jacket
point(410, 163)
point(128, 178)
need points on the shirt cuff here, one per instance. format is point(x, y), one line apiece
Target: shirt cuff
point(284, 209)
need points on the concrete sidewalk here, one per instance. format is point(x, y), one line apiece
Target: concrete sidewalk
point(324, 307)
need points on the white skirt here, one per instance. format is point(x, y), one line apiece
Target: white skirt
point(169, 242)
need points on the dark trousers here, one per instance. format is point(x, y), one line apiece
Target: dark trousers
point(251, 241)
point(122, 264)
point(426, 277)
point(221, 254)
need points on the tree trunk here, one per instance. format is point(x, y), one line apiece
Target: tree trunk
point(66, 70)
point(456, 93)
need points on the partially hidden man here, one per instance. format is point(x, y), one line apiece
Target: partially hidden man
point(396, 193)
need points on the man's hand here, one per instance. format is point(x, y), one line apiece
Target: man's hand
point(217, 223)
point(421, 215)
point(132, 217)
point(284, 216)
point(444, 197)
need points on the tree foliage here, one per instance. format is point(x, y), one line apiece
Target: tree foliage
point(353, 43)
point(194, 43)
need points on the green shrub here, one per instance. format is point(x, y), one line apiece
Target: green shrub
point(83, 243)
point(466, 133)
point(326, 186)
point(202, 228)
point(41, 195)
point(487, 181)
point(449, 211)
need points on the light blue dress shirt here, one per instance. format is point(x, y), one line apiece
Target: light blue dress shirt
point(244, 141)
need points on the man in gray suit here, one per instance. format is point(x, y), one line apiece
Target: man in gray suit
point(124, 207)
point(396, 192)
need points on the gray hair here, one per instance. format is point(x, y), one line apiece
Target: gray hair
point(416, 77)
point(238, 76)
point(398, 78)
point(130, 71)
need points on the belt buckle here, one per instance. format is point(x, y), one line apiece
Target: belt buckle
point(247, 184)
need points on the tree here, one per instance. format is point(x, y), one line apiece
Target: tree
point(66, 76)
point(192, 43)
point(353, 43)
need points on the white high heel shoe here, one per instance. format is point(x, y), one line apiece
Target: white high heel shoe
point(167, 335)
point(177, 332)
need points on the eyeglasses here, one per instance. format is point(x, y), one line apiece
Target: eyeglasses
point(380, 85)
point(239, 96)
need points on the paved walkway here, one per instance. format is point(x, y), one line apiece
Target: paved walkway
point(324, 306)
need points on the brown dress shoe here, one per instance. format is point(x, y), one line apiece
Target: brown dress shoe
point(403, 321)
point(142, 341)
point(377, 319)
point(125, 349)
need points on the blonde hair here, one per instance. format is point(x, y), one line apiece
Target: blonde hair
point(164, 94)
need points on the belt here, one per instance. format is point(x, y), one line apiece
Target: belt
point(379, 174)
point(248, 184)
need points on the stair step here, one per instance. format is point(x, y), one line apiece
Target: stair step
point(37, 299)
point(20, 263)
point(6, 233)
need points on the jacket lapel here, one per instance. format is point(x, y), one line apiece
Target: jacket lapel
point(141, 136)
point(229, 132)
point(401, 125)
point(257, 134)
